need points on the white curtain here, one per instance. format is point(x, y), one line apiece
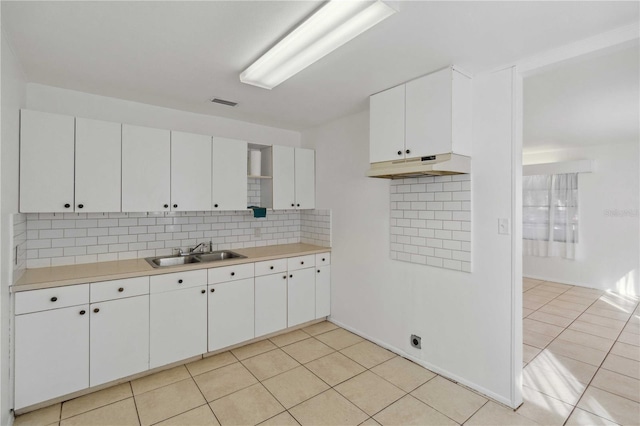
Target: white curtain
point(550, 215)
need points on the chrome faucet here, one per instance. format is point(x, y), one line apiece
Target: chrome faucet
point(201, 246)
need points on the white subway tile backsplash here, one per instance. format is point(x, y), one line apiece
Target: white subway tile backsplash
point(63, 239)
point(431, 221)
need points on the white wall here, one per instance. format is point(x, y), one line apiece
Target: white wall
point(608, 250)
point(13, 94)
point(80, 104)
point(465, 320)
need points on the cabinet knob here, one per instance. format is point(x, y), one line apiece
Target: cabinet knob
point(204, 291)
point(166, 206)
point(215, 205)
point(80, 206)
point(121, 289)
point(270, 267)
point(179, 281)
point(399, 152)
point(297, 205)
point(318, 270)
point(291, 276)
point(96, 310)
point(284, 277)
point(408, 151)
point(302, 262)
point(213, 290)
point(323, 259)
point(66, 206)
point(175, 206)
point(82, 312)
point(293, 205)
point(233, 273)
point(53, 299)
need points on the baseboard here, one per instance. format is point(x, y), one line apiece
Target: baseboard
point(444, 373)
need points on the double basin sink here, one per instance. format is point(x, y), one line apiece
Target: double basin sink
point(186, 259)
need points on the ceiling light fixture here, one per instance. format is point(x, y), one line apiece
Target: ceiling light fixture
point(333, 25)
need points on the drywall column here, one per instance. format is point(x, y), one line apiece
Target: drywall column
point(13, 95)
point(469, 322)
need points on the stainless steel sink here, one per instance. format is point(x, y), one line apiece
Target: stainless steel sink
point(165, 261)
point(219, 255)
point(160, 262)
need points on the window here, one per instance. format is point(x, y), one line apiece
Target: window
point(550, 215)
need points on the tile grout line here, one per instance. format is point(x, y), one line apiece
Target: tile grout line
point(135, 404)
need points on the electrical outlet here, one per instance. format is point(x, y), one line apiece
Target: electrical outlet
point(257, 232)
point(416, 341)
point(504, 227)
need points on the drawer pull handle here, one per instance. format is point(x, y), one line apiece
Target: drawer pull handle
point(82, 312)
point(54, 299)
point(179, 281)
point(233, 273)
point(204, 291)
point(213, 290)
point(121, 289)
point(96, 310)
point(270, 267)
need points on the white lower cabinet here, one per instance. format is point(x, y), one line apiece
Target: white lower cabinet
point(231, 313)
point(271, 303)
point(51, 354)
point(178, 325)
point(301, 296)
point(323, 291)
point(119, 339)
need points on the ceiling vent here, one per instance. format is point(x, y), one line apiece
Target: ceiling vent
point(223, 102)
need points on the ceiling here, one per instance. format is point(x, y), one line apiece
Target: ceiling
point(590, 101)
point(181, 54)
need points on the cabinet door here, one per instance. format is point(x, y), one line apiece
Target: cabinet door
point(386, 125)
point(323, 291)
point(190, 172)
point(283, 177)
point(305, 178)
point(98, 166)
point(301, 300)
point(146, 169)
point(428, 114)
point(46, 162)
point(52, 354)
point(119, 342)
point(271, 303)
point(178, 325)
point(231, 313)
point(229, 182)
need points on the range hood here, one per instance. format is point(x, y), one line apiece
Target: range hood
point(441, 164)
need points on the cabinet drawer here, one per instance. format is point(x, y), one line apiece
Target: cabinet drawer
point(118, 289)
point(323, 259)
point(168, 282)
point(230, 273)
point(271, 267)
point(301, 262)
point(51, 298)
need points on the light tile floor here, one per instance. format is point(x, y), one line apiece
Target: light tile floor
point(581, 367)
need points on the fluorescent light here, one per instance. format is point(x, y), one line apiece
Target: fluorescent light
point(336, 23)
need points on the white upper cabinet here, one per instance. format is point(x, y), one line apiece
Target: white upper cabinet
point(305, 178)
point(438, 114)
point(98, 166)
point(229, 177)
point(294, 179)
point(427, 116)
point(283, 158)
point(190, 172)
point(46, 162)
point(146, 169)
point(386, 125)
